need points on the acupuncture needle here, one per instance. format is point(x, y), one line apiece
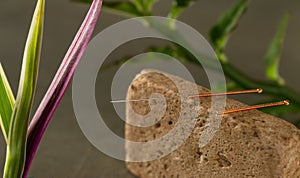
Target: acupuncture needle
point(285, 102)
point(258, 90)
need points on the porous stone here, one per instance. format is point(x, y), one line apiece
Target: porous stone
point(246, 144)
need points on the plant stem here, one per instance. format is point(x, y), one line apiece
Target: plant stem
point(269, 88)
point(60, 83)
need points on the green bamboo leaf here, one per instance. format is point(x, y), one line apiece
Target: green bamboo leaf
point(178, 7)
point(297, 123)
point(148, 4)
point(220, 33)
point(281, 111)
point(273, 55)
point(128, 8)
point(125, 8)
point(84, 1)
point(182, 3)
point(144, 6)
point(7, 102)
point(232, 86)
point(15, 156)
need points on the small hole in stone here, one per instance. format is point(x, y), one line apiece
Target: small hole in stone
point(170, 122)
point(133, 87)
point(198, 155)
point(255, 134)
point(157, 125)
point(165, 166)
point(223, 161)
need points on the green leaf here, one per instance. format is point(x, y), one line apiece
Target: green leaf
point(168, 50)
point(7, 102)
point(84, 1)
point(273, 55)
point(220, 33)
point(281, 111)
point(15, 156)
point(297, 124)
point(232, 86)
point(178, 6)
point(131, 8)
point(148, 4)
point(128, 8)
point(125, 8)
point(144, 6)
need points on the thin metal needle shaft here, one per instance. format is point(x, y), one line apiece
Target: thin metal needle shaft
point(124, 101)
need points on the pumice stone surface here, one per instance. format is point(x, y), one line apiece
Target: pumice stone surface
point(244, 144)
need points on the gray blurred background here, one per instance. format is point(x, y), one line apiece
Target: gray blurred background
point(64, 151)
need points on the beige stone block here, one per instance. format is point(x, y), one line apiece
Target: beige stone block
point(246, 144)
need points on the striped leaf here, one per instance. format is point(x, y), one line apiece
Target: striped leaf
point(16, 144)
point(7, 102)
point(60, 83)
